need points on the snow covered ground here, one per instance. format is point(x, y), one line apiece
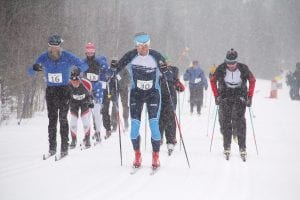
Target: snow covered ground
point(96, 173)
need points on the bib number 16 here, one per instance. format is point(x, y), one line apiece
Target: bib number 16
point(55, 78)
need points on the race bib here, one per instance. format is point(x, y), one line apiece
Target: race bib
point(198, 80)
point(144, 85)
point(78, 97)
point(92, 76)
point(55, 77)
point(118, 77)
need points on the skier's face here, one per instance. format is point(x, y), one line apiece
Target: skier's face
point(90, 54)
point(143, 49)
point(75, 83)
point(54, 51)
point(231, 67)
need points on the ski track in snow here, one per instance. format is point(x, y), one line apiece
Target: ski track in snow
point(96, 173)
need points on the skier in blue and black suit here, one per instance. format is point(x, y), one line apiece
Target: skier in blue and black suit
point(145, 67)
point(56, 64)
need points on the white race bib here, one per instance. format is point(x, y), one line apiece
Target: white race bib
point(78, 97)
point(55, 77)
point(92, 76)
point(198, 80)
point(144, 85)
point(118, 77)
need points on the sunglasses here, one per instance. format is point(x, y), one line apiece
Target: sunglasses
point(231, 64)
point(142, 44)
point(53, 46)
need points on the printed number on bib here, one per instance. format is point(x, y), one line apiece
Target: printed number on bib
point(55, 78)
point(144, 85)
point(92, 76)
point(198, 80)
point(78, 97)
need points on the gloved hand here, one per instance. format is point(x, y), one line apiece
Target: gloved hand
point(163, 66)
point(179, 86)
point(37, 67)
point(111, 73)
point(91, 105)
point(217, 100)
point(249, 102)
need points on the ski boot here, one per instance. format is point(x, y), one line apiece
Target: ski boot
point(155, 159)
point(63, 154)
point(97, 137)
point(49, 154)
point(87, 142)
point(174, 141)
point(243, 154)
point(108, 134)
point(170, 148)
point(227, 153)
point(161, 141)
point(114, 129)
point(52, 152)
point(73, 143)
point(138, 159)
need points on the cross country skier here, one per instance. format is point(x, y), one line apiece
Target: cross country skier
point(197, 81)
point(81, 99)
point(96, 74)
point(56, 64)
point(167, 124)
point(232, 96)
point(145, 65)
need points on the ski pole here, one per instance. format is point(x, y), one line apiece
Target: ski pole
point(208, 115)
point(253, 115)
point(179, 116)
point(119, 126)
point(212, 135)
point(178, 125)
point(145, 128)
point(183, 95)
point(205, 98)
point(253, 131)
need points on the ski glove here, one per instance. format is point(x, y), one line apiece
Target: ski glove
point(249, 102)
point(179, 86)
point(111, 73)
point(37, 67)
point(91, 105)
point(217, 100)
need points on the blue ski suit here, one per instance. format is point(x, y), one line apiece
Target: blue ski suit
point(145, 88)
point(57, 74)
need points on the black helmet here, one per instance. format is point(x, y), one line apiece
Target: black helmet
point(55, 40)
point(231, 56)
point(298, 65)
point(75, 73)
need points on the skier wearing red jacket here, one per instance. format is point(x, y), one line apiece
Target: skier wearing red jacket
point(232, 96)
